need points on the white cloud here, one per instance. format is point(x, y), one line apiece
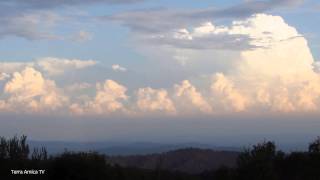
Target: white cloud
point(154, 100)
point(118, 68)
point(226, 95)
point(279, 76)
point(49, 65)
point(257, 31)
point(109, 98)
point(57, 66)
point(28, 91)
point(189, 98)
point(275, 73)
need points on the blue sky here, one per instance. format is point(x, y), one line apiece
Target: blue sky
point(114, 38)
point(165, 60)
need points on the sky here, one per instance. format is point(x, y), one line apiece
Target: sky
point(160, 70)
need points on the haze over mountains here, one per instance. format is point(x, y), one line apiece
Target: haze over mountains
point(114, 148)
point(191, 158)
point(121, 148)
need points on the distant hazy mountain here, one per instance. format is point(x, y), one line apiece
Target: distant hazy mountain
point(189, 160)
point(116, 148)
point(151, 148)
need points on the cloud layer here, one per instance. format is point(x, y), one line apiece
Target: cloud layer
point(274, 73)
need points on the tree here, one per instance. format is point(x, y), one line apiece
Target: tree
point(314, 147)
point(39, 154)
point(18, 149)
point(3, 148)
point(14, 148)
point(258, 162)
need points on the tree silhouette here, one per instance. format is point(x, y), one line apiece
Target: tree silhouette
point(39, 154)
point(3, 148)
point(314, 147)
point(258, 163)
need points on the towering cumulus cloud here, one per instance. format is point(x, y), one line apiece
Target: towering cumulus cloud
point(228, 96)
point(277, 75)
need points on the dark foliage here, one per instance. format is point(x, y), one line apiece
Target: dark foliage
point(314, 147)
point(261, 162)
point(188, 160)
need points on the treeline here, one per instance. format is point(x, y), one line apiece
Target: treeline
point(260, 162)
point(264, 162)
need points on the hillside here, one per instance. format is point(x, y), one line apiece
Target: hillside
point(189, 160)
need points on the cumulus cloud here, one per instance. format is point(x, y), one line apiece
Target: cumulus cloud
point(109, 98)
point(29, 91)
point(279, 76)
point(227, 95)
point(118, 68)
point(190, 99)
point(155, 100)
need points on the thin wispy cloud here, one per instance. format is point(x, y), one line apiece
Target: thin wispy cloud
point(162, 19)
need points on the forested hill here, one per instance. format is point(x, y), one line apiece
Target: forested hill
point(188, 160)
